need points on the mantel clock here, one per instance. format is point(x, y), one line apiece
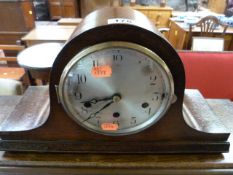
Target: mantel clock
point(118, 86)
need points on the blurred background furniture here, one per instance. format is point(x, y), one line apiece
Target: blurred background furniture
point(64, 9)
point(41, 10)
point(17, 18)
point(229, 8)
point(48, 33)
point(217, 6)
point(158, 15)
point(69, 21)
point(38, 59)
point(207, 27)
point(10, 87)
point(7, 52)
point(87, 6)
point(15, 73)
point(8, 64)
point(207, 44)
point(179, 34)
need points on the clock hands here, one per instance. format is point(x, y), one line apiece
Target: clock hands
point(94, 100)
point(92, 115)
point(114, 98)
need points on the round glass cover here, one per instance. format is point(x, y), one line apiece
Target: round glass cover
point(116, 88)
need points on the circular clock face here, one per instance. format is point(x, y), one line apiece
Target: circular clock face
point(116, 88)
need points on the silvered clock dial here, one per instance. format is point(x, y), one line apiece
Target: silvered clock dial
point(116, 88)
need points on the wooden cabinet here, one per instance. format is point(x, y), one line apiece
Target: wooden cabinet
point(217, 6)
point(178, 37)
point(158, 15)
point(17, 18)
point(63, 8)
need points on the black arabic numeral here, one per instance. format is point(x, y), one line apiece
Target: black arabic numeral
point(116, 122)
point(156, 96)
point(95, 63)
point(78, 95)
point(133, 121)
point(153, 80)
point(149, 111)
point(117, 57)
point(81, 78)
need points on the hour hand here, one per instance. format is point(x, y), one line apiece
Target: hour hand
point(95, 100)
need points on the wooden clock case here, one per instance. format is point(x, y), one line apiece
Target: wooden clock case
point(57, 132)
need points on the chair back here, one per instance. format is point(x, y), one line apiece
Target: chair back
point(207, 27)
point(13, 48)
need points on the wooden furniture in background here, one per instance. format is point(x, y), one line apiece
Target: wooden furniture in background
point(211, 44)
point(15, 73)
point(5, 48)
point(158, 15)
point(88, 6)
point(17, 18)
point(38, 60)
point(207, 27)
point(179, 35)
point(63, 8)
point(69, 21)
point(217, 6)
point(43, 34)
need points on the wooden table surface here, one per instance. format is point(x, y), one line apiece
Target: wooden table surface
point(48, 33)
point(38, 60)
point(135, 164)
point(39, 56)
point(69, 21)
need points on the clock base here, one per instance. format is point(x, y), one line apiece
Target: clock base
point(114, 147)
point(196, 112)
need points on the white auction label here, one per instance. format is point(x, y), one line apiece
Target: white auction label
point(121, 21)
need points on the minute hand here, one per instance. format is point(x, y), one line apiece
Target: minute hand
point(92, 115)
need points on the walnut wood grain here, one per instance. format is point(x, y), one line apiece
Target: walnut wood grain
point(30, 112)
point(113, 164)
point(12, 47)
